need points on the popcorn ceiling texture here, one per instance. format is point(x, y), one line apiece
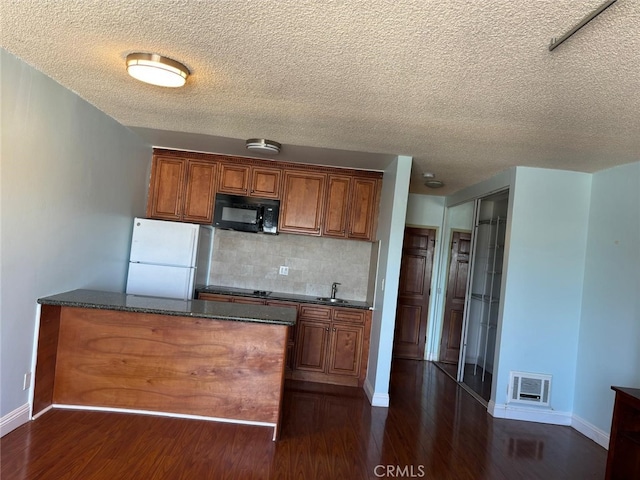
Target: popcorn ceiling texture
point(467, 88)
point(248, 260)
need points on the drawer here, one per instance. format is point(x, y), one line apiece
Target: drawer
point(249, 300)
point(214, 297)
point(351, 315)
point(316, 312)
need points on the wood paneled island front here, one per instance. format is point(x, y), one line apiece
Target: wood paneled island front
point(195, 358)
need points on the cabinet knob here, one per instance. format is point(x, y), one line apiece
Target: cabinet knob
point(334, 329)
point(327, 329)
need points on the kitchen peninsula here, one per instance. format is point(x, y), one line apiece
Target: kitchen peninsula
point(194, 358)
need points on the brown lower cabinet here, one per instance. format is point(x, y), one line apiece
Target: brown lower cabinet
point(327, 344)
point(332, 345)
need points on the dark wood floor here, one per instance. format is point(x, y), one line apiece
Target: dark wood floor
point(433, 429)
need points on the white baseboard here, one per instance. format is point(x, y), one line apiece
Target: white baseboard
point(375, 399)
point(591, 431)
point(13, 420)
point(527, 414)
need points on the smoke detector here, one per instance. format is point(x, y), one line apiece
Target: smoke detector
point(261, 145)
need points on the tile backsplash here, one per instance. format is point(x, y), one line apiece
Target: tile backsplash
point(249, 260)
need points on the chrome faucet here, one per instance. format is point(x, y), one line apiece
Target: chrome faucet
point(334, 289)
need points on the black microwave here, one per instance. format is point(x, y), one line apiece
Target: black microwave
point(246, 214)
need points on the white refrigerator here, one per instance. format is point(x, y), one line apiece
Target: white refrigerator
point(168, 259)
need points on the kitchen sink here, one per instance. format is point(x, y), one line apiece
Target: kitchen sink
point(332, 300)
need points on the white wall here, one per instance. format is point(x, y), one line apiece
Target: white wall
point(542, 290)
point(393, 210)
point(609, 342)
point(425, 211)
point(72, 180)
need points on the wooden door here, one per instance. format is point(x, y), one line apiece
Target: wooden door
point(302, 202)
point(335, 217)
point(413, 293)
point(199, 192)
point(265, 182)
point(456, 291)
point(363, 207)
point(168, 176)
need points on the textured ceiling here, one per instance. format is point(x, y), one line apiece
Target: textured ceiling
point(467, 88)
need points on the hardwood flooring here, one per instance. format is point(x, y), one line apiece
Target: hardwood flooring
point(433, 429)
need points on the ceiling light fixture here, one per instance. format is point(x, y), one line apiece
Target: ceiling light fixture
point(260, 145)
point(433, 184)
point(430, 182)
point(156, 69)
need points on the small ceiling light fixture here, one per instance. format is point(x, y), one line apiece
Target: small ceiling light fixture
point(433, 184)
point(430, 182)
point(261, 145)
point(156, 70)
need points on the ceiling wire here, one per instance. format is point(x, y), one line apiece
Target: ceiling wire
point(557, 41)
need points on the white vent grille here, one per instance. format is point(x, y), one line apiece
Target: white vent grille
point(529, 388)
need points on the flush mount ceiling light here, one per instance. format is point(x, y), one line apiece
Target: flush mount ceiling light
point(433, 184)
point(260, 145)
point(430, 182)
point(156, 69)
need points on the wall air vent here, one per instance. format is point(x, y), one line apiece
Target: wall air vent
point(529, 388)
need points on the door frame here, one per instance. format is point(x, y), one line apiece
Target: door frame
point(467, 296)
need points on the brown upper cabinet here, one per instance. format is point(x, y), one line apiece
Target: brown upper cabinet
point(249, 180)
point(351, 207)
point(302, 202)
point(319, 201)
point(182, 190)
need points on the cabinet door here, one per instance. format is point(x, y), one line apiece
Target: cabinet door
point(265, 182)
point(345, 350)
point(363, 208)
point(199, 192)
point(234, 179)
point(336, 206)
point(166, 188)
point(311, 345)
point(302, 202)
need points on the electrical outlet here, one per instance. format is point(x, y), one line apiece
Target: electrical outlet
point(27, 381)
point(284, 270)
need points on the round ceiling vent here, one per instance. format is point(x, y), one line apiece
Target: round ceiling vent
point(260, 145)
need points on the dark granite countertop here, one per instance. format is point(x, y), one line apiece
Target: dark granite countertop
point(167, 306)
point(290, 297)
